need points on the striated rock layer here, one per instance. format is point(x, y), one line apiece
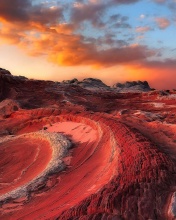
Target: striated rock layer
point(75, 153)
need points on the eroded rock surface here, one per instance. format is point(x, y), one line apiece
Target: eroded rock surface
point(69, 152)
point(7, 107)
point(134, 86)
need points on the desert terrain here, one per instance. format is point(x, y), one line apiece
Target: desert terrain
point(84, 150)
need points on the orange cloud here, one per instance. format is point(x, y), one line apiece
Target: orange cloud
point(78, 53)
point(62, 46)
point(25, 11)
point(143, 29)
point(37, 30)
point(162, 22)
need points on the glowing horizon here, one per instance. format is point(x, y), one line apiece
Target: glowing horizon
point(112, 40)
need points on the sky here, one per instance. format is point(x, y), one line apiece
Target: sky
point(113, 40)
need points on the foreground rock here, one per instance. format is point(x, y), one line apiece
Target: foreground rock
point(121, 164)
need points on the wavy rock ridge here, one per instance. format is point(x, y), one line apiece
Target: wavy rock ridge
point(121, 164)
point(30, 175)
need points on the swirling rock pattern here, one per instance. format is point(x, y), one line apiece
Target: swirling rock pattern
point(81, 154)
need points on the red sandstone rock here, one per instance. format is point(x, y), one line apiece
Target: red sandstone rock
point(121, 164)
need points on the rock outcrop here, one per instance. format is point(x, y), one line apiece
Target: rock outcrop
point(94, 84)
point(7, 107)
point(3, 73)
point(113, 154)
point(89, 83)
point(134, 86)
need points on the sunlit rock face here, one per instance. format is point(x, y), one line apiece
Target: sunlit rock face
point(71, 152)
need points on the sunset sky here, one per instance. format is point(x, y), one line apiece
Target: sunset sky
point(114, 40)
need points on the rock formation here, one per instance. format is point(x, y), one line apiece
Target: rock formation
point(89, 83)
point(72, 152)
point(134, 86)
point(7, 107)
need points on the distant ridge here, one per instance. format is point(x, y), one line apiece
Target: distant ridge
point(133, 86)
point(92, 84)
point(97, 84)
